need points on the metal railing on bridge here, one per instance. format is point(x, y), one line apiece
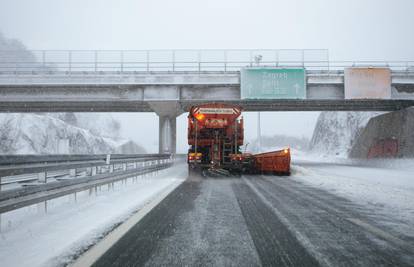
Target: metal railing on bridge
point(122, 61)
point(155, 60)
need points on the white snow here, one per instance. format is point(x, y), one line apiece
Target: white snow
point(31, 237)
point(29, 133)
point(336, 132)
point(386, 186)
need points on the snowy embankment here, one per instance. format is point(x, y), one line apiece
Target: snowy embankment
point(22, 133)
point(336, 132)
point(386, 186)
point(31, 237)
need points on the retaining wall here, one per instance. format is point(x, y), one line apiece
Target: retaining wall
point(387, 135)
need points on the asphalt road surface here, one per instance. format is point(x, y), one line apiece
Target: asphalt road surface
point(257, 221)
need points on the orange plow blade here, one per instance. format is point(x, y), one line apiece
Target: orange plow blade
point(276, 162)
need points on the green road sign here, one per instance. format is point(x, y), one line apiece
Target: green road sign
point(273, 83)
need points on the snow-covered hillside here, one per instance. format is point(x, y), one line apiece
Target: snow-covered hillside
point(100, 124)
point(275, 142)
point(45, 134)
point(335, 132)
point(12, 50)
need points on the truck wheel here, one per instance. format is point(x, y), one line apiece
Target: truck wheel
point(191, 171)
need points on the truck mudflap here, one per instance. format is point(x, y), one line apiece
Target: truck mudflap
point(216, 172)
point(208, 170)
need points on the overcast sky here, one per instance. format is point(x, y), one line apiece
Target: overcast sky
point(350, 29)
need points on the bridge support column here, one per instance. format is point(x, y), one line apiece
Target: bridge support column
point(72, 172)
point(42, 177)
point(167, 112)
point(93, 170)
point(167, 134)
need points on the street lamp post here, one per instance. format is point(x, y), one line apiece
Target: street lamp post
point(259, 134)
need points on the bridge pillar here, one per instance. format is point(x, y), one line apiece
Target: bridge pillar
point(167, 134)
point(167, 112)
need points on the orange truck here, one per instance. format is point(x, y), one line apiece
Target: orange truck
point(216, 135)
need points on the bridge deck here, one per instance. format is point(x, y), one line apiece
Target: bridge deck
point(183, 106)
point(134, 92)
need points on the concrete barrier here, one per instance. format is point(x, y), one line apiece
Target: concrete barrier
point(387, 135)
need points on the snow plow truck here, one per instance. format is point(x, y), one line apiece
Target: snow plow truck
point(215, 137)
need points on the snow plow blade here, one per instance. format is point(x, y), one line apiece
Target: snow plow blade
point(275, 162)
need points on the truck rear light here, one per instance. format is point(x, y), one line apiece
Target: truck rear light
point(200, 116)
point(238, 157)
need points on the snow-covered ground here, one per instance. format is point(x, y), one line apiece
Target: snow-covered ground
point(27, 133)
point(386, 186)
point(31, 237)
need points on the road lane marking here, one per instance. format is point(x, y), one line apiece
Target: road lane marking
point(384, 235)
point(301, 238)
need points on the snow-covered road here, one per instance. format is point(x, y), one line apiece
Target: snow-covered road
point(385, 186)
point(265, 220)
point(334, 211)
point(31, 237)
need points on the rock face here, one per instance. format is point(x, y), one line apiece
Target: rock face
point(387, 135)
point(336, 132)
point(99, 124)
point(43, 134)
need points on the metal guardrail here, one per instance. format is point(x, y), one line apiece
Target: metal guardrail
point(150, 60)
point(22, 178)
point(124, 61)
point(26, 196)
point(41, 165)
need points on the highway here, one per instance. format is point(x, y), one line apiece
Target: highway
point(259, 221)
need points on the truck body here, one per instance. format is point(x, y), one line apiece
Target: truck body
point(215, 132)
point(216, 135)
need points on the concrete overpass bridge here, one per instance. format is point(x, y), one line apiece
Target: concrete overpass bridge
point(168, 82)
